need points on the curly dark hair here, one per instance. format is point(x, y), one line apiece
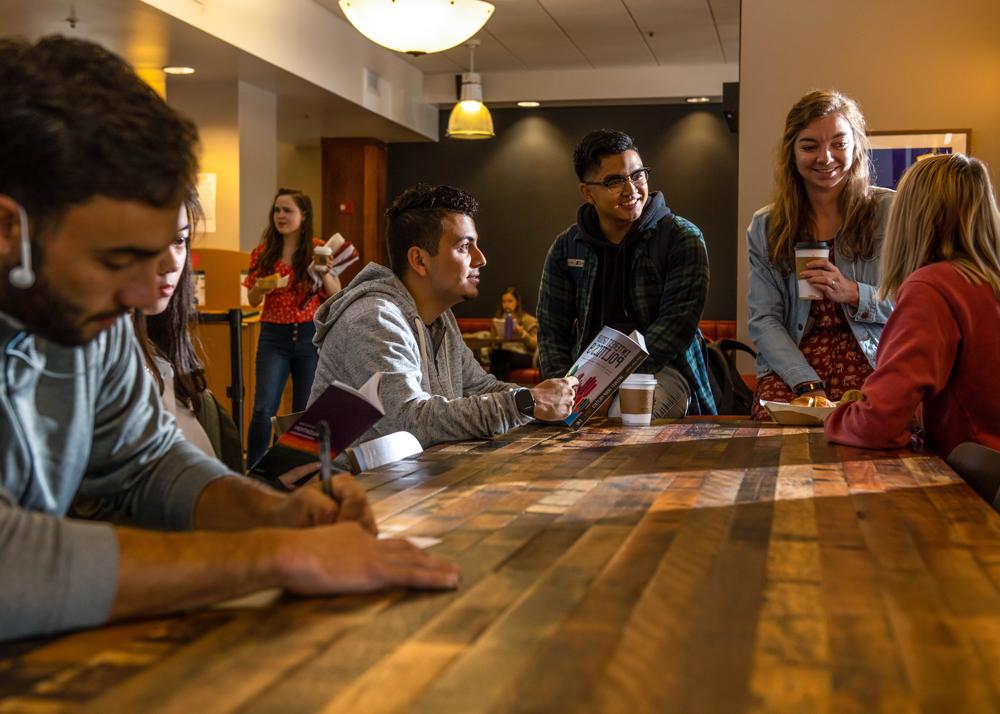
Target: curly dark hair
point(414, 218)
point(76, 122)
point(274, 242)
point(595, 146)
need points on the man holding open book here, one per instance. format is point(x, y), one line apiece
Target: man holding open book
point(629, 263)
point(399, 322)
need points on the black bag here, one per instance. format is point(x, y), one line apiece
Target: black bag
point(732, 395)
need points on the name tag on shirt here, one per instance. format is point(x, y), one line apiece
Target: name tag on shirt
point(574, 262)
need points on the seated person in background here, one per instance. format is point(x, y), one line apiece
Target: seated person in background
point(824, 192)
point(519, 354)
point(630, 263)
point(399, 322)
point(81, 415)
point(940, 350)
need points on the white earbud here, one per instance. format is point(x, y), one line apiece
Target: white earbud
point(23, 276)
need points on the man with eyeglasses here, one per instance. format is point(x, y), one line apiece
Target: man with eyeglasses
point(631, 263)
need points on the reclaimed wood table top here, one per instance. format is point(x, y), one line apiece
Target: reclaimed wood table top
point(685, 567)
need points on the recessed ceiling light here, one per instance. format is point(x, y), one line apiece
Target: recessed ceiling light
point(529, 105)
point(698, 100)
point(179, 70)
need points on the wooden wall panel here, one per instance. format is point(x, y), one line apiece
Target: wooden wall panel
point(354, 196)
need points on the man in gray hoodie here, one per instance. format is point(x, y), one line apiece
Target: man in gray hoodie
point(399, 322)
point(93, 167)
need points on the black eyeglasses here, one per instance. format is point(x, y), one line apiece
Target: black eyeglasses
point(639, 177)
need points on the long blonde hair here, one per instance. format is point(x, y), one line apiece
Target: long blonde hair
point(791, 214)
point(945, 210)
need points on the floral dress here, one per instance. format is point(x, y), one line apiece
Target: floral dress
point(830, 348)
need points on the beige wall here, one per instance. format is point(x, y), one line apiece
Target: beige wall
point(911, 64)
point(258, 127)
point(213, 106)
point(237, 124)
point(301, 167)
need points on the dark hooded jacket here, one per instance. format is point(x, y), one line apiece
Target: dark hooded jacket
point(655, 281)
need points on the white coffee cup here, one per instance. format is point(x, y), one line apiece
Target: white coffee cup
point(320, 255)
point(804, 253)
point(635, 395)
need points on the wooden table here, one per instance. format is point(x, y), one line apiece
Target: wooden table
point(691, 567)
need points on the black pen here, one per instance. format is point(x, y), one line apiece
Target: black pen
point(325, 469)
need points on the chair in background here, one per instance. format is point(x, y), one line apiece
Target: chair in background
point(979, 466)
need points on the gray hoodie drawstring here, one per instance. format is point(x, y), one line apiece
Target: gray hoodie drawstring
point(420, 329)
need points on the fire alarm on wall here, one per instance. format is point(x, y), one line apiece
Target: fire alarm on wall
point(347, 207)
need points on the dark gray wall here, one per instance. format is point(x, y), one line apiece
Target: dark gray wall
point(528, 192)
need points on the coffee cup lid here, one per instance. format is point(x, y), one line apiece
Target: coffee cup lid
point(812, 245)
point(639, 380)
point(323, 250)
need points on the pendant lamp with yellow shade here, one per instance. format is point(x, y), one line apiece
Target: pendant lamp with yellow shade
point(470, 119)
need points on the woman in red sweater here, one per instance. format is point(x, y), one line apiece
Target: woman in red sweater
point(937, 360)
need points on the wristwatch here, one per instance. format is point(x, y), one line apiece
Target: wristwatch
point(808, 387)
point(525, 402)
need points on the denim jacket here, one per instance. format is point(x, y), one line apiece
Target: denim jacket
point(778, 319)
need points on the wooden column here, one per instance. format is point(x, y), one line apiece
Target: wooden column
point(354, 201)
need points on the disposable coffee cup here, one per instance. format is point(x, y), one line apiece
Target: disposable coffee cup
point(320, 255)
point(805, 253)
point(636, 398)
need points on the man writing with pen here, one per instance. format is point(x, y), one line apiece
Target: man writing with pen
point(88, 210)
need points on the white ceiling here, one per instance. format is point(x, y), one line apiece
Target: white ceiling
point(594, 34)
point(605, 43)
point(150, 39)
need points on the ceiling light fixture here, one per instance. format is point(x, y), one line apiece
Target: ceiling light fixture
point(529, 105)
point(178, 70)
point(417, 27)
point(698, 100)
point(470, 119)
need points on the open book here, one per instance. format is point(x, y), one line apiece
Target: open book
point(349, 412)
point(384, 450)
point(601, 368)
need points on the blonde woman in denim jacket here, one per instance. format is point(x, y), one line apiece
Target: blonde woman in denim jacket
point(823, 193)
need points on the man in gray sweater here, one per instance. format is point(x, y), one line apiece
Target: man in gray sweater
point(93, 167)
point(399, 322)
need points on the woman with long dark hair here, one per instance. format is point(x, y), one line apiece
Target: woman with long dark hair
point(824, 196)
point(518, 353)
point(164, 335)
point(282, 277)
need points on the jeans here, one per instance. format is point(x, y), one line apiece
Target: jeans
point(283, 349)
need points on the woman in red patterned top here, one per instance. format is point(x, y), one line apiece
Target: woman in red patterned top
point(287, 329)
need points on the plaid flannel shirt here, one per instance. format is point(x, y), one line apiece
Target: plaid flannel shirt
point(667, 299)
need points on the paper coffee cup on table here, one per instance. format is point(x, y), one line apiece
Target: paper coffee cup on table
point(805, 253)
point(636, 398)
point(320, 255)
